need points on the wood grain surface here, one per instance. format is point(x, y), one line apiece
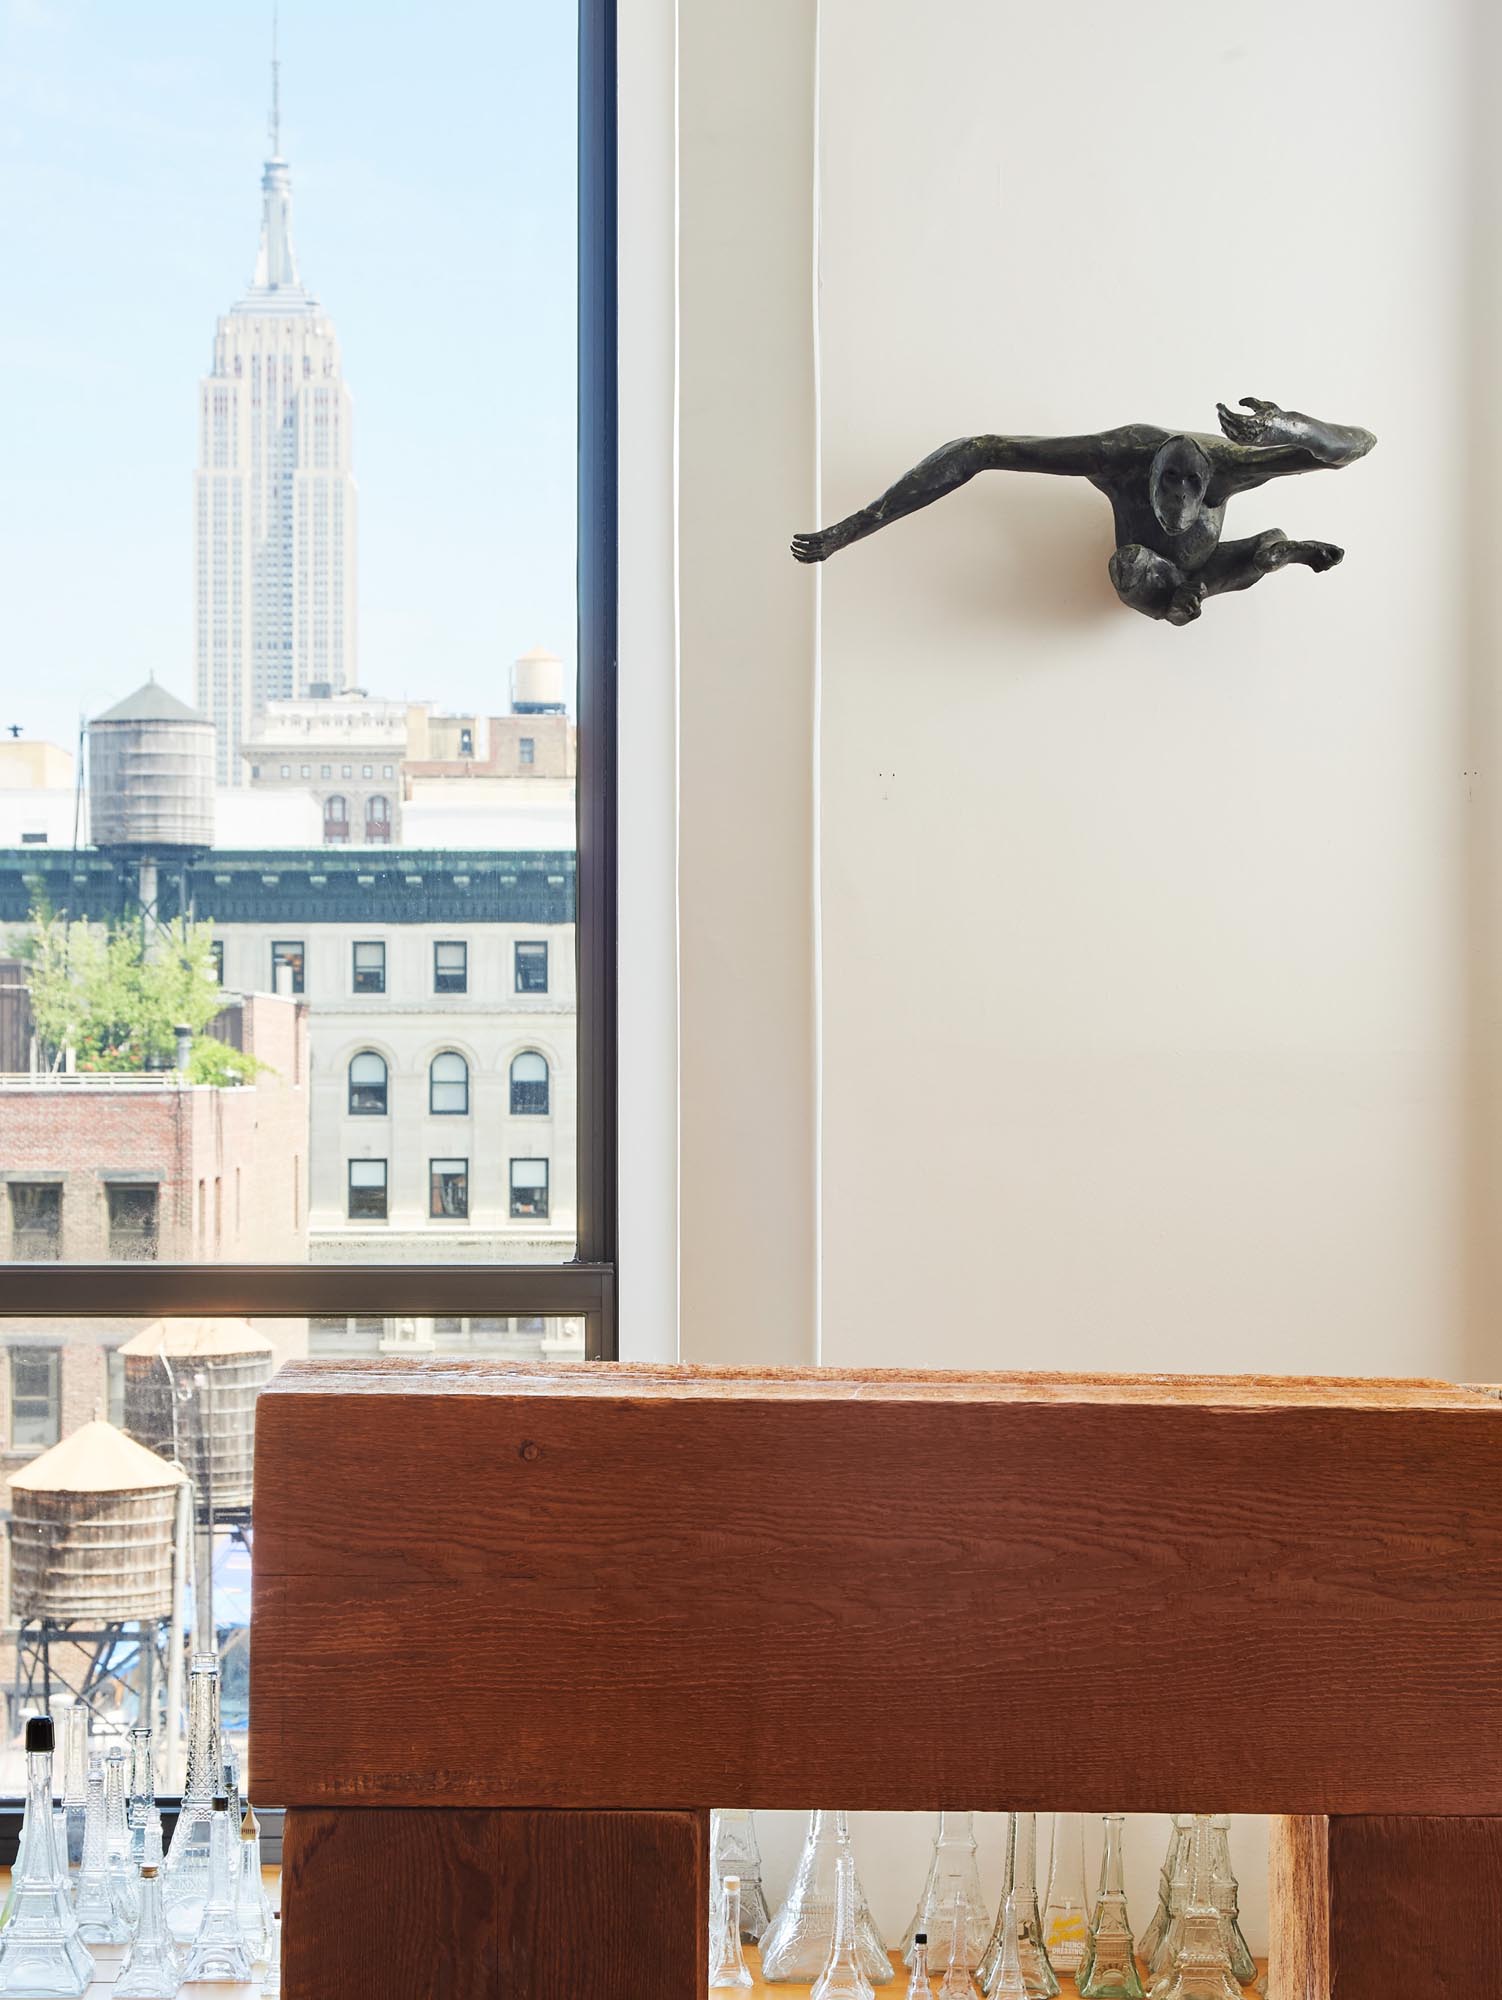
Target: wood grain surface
point(1298, 1885)
point(424, 1905)
point(488, 1585)
point(1415, 1907)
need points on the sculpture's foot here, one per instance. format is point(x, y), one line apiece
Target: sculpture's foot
point(1149, 583)
point(1315, 555)
point(1185, 605)
point(1275, 551)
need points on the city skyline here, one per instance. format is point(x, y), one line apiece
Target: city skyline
point(435, 225)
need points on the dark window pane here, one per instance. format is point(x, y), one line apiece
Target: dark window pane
point(450, 968)
point(35, 1398)
point(287, 966)
point(367, 1085)
point(448, 1189)
point(531, 968)
point(370, 968)
point(367, 1190)
point(529, 1189)
point(36, 1221)
point(529, 1086)
point(132, 1222)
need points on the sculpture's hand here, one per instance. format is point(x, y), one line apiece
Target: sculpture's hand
point(817, 546)
point(1267, 423)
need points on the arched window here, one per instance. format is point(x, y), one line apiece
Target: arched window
point(367, 1085)
point(448, 1085)
point(529, 1085)
point(378, 818)
point(336, 818)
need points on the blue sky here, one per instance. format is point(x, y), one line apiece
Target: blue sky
point(432, 156)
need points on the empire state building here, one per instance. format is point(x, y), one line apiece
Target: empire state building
point(274, 494)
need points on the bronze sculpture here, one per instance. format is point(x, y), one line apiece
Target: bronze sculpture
point(1167, 489)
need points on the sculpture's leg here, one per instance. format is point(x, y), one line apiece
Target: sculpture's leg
point(1238, 565)
point(393, 1904)
point(1151, 584)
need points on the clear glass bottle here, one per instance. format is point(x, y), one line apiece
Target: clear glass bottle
point(844, 1975)
point(1161, 1963)
point(1066, 1913)
point(75, 1780)
point(1006, 1977)
point(218, 1950)
point(41, 1953)
point(1201, 1968)
point(151, 1968)
point(1152, 1937)
point(990, 1965)
point(124, 1869)
point(727, 1961)
point(797, 1941)
point(185, 1873)
point(735, 1852)
point(99, 1921)
point(142, 1789)
point(271, 1978)
point(1038, 1975)
point(1228, 1899)
point(957, 1983)
point(952, 1872)
point(918, 1987)
point(1109, 1971)
point(252, 1904)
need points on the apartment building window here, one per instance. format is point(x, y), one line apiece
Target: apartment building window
point(531, 968)
point(448, 1189)
point(216, 960)
point(526, 750)
point(287, 960)
point(370, 967)
point(450, 967)
point(35, 1398)
point(529, 1190)
point(132, 1214)
point(36, 1221)
point(529, 1085)
point(378, 820)
point(448, 1086)
point(335, 819)
point(367, 1085)
point(367, 1190)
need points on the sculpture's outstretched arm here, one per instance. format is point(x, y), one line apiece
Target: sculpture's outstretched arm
point(1266, 442)
point(949, 468)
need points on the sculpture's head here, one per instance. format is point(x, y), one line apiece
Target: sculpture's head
point(1177, 483)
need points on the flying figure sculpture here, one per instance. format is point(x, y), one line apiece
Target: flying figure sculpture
point(1168, 491)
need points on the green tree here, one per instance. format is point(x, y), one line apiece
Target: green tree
point(117, 999)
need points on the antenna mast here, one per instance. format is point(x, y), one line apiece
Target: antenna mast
point(276, 88)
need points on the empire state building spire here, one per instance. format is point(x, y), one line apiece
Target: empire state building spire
point(276, 286)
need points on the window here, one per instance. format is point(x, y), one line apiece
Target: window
point(35, 1397)
point(36, 1221)
point(367, 1190)
point(450, 967)
point(367, 770)
point(466, 743)
point(370, 967)
point(388, 770)
point(367, 1085)
point(325, 770)
point(336, 818)
point(529, 1189)
point(346, 771)
point(132, 1212)
point(526, 750)
point(529, 1085)
point(114, 1387)
point(531, 968)
point(216, 960)
point(305, 771)
point(378, 818)
point(448, 1189)
point(448, 1085)
point(286, 771)
point(287, 966)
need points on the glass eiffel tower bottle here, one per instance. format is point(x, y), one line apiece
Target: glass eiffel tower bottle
point(727, 1961)
point(1228, 1899)
point(99, 1921)
point(1066, 1913)
point(185, 1874)
point(151, 1969)
point(952, 1872)
point(1038, 1976)
point(990, 1965)
point(252, 1904)
point(75, 1780)
point(1201, 1968)
point(1160, 1965)
point(271, 1978)
point(1109, 1971)
point(218, 1950)
point(844, 1975)
point(797, 1941)
point(957, 1983)
point(734, 1852)
point(918, 1987)
point(41, 1953)
point(142, 1789)
point(1152, 1937)
point(124, 1869)
point(1006, 1975)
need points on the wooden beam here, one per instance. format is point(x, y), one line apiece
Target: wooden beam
point(1415, 1907)
point(385, 1905)
point(1298, 1868)
point(643, 1587)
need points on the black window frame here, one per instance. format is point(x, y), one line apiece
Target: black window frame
point(354, 1214)
point(115, 1193)
point(26, 1233)
point(450, 944)
point(448, 1214)
point(354, 1110)
point(529, 1214)
point(585, 1286)
point(513, 1087)
point(356, 975)
point(29, 1352)
point(531, 945)
point(299, 968)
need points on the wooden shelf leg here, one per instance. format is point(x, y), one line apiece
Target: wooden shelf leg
point(486, 1905)
point(1415, 1906)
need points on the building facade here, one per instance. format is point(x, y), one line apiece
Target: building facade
point(346, 750)
point(274, 502)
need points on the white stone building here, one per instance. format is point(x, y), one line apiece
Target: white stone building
point(274, 506)
point(344, 750)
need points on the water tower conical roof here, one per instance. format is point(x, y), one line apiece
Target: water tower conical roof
point(185, 1339)
point(151, 703)
point(96, 1459)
